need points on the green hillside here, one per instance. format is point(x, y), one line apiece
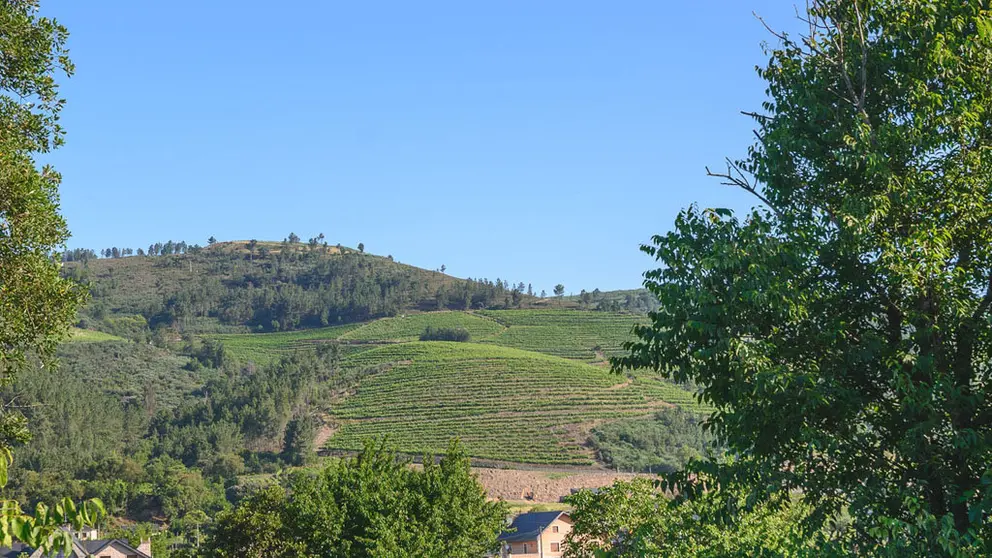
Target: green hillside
point(231, 287)
point(573, 334)
point(131, 371)
point(504, 403)
point(261, 348)
point(528, 387)
point(409, 328)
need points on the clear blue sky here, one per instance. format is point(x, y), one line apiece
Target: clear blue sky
point(534, 141)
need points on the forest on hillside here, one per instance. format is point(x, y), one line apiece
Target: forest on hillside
point(272, 286)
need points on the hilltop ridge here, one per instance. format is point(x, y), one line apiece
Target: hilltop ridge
point(272, 286)
point(266, 286)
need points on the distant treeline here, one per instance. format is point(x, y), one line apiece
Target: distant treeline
point(167, 248)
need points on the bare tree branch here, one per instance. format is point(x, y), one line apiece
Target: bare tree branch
point(778, 35)
point(864, 55)
point(756, 116)
point(741, 181)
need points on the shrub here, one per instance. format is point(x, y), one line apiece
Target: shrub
point(445, 334)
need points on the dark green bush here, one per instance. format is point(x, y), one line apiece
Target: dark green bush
point(445, 334)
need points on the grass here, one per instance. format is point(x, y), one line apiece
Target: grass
point(91, 336)
point(261, 348)
point(573, 334)
point(409, 328)
point(503, 403)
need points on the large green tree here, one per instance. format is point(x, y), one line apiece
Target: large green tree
point(36, 303)
point(370, 505)
point(633, 519)
point(843, 330)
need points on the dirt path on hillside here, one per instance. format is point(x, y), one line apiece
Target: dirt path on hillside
point(543, 486)
point(324, 434)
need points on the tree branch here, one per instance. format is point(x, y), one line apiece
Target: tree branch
point(756, 116)
point(777, 35)
point(741, 181)
point(986, 302)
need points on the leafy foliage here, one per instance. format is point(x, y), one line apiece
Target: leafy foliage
point(663, 443)
point(445, 334)
point(633, 519)
point(36, 304)
point(844, 332)
point(370, 505)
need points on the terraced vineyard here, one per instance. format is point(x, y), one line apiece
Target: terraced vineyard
point(573, 334)
point(261, 348)
point(504, 403)
point(409, 328)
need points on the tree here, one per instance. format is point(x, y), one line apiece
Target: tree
point(255, 529)
point(210, 241)
point(301, 432)
point(843, 331)
point(37, 304)
point(443, 268)
point(633, 519)
point(559, 292)
point(251, 249)
point(361, 247)
point(293, 238)
point(370, 505)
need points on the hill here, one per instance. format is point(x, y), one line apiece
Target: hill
point(255, 286)
point(503, 403)
point(205, 332)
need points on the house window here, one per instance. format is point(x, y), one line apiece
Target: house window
point(554, 528)
point(555, 547)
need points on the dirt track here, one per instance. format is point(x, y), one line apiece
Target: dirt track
point(542, 486)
